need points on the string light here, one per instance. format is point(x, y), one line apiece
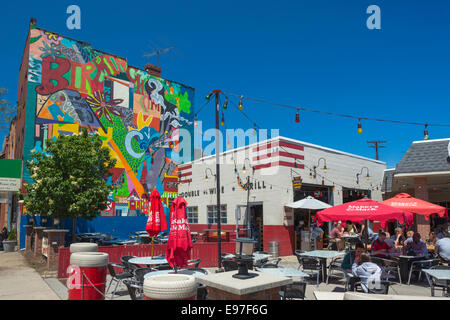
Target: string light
point(195, 121)
point(254, 129)
point(359, 126)
point(225, 105)
point(222, 122)
point(297, 116)
point(425, 133)
point(208, 96)
point(240, 107)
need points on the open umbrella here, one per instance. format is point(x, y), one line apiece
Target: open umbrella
point(179, 244)
point(156, 221)
point(364, 209)
point(309, 203)
point(408, 203)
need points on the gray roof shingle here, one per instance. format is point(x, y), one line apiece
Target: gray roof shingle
point(425, 156)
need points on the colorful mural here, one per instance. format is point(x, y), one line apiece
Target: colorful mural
point(137, 115)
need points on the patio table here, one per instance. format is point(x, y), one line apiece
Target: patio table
point(148, 261)
point(188, 272)
point(285, 272)
point(404, 263)
point(256, 256)
point(323, 255)
point(440, 274)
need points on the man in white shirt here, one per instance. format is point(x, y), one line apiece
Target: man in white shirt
point(442, 248)
point(368, 272)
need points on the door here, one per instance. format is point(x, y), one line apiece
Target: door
point(257, 226)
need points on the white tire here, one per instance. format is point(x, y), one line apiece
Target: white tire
point(170, 287)
point(83, 247)
point(89, 259)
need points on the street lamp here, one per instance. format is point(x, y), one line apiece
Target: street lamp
point(358, 174)
point(324, 164)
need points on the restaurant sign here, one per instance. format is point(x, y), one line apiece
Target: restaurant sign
point(10, 175)
point(297, 183)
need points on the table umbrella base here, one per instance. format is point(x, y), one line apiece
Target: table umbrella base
point(244, 276)
point(243, 270)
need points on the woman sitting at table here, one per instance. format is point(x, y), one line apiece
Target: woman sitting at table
point(398, 237)
point(416, 247)
point(350, 228)
point(379, 246)
point(367, 271)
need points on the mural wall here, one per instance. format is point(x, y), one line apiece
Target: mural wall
point(138, 116)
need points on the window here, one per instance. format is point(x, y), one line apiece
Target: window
point(212, 214)
point(192, 214)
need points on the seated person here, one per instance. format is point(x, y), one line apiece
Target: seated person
point(416, 247)
point(335, 235)
point(350, 228)
point(440, 233)
point(367, 271)
point(398, 237)
point(442, 248)
point(351, 256)
point(409, 236)
point(379, 246)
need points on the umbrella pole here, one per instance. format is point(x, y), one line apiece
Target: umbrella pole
point(309, 219)
point(152, 246)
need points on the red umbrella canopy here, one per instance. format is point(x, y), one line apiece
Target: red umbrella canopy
point(408, 203)
point(360, 210)
point(179, 244)
point(156, 221)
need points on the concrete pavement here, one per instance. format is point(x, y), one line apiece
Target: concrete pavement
point(18, 281)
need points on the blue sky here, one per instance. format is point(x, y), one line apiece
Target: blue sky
point(314, 54)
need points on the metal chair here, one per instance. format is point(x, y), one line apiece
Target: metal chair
point(297, 254)
point(117, 277)
point(272, 263)
point(442, 285)
point(164, 266)
point(128, 266)
point(194, 263)
point(420, 265)
point(295, 290)
point(134, 289)
point(229, 265)
point(202, 293)
point(311, 266)
point(140, 273)
point(335, 264)
point(390, 267)
point(383, 287)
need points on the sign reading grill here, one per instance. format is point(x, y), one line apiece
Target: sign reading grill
point(297, 183)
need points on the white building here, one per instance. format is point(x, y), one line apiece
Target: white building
point(330, 175)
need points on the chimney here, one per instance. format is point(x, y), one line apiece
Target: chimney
point(153, 70)
point(33, 21)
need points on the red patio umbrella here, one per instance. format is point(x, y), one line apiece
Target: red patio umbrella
point(408, 203)
point(179, 244)
point(364, 209)
point(156, 221)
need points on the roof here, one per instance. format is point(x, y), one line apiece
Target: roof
point(426, 156)
point(281, 138)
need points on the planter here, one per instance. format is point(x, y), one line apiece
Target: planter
point(9, 245)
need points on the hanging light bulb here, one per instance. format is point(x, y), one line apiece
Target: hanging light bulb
point(297, 116)
point(195, 121)
point(359, 126)
point(222, 122)
point(229, 145)
point(240, 107)
point(206, 177)
point(323, 182)
point(332, 188)
point(225, 104)
point(367, 177)
point(208, 96)
point(244, 170)
point(425, 133)
point(295, 163)
point(325, 168)
point(310, 174)
point(254, 129)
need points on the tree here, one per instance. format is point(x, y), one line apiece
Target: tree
point(69, 178)
point(6, 111)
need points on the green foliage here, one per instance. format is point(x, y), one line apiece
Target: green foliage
point(6, 111)
point(12, 235)
point(69, 177)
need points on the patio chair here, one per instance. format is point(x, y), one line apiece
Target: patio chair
point(128, 266)
point(197, 270)
point(335, 264)
point(194, 263)
point(164, 266)
point(383, 287)
point(295, 290)
point(134, 289)
point(440, 284)
point(117, 277)
point(139, 274)
point(297, 254)
point(390, 267)
point(229, 265)
point(350, 278)
point(202, 293)
point(420, 265)
point(311, 266)
point(272, 263)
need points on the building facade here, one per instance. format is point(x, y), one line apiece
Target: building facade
point(262, 175)
point(66, 85)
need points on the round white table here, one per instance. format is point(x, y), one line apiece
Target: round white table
point(147, 261)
